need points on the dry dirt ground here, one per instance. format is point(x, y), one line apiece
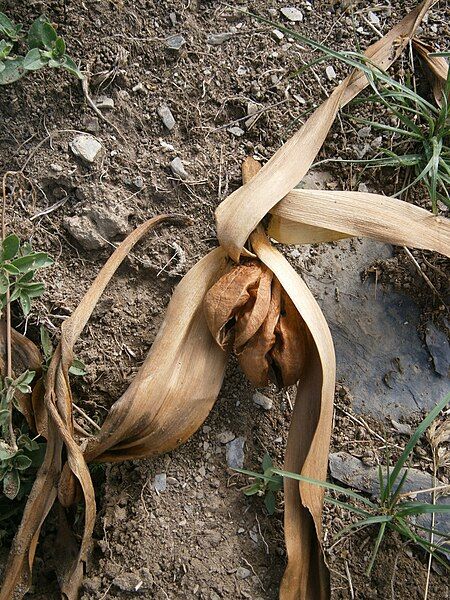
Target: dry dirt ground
point(199, 537)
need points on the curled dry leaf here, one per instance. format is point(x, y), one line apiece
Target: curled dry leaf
point(248, 308)
point(436, 67)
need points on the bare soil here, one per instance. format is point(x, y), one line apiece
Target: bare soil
point(200, 537)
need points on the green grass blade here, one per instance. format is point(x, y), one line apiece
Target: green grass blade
point(376, 547)
point(398, 489)
point(392, 129)
point(423, 426)
point(326, 485)
point(256, 475)
point(373, 520)
point(421, 508)
point(347, 506)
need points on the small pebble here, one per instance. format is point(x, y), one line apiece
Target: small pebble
point(330, 72)
point(292, 14)
point(139, 87)
point(225, 436)
point(263, 401)
point(215, 39)
point(235, 453)
point(373, 18)
point(104, 102)
point(56, 168)
point(166, 116)
point(243, 573)
point(277, 34)
point(237, 131)
point(160, 482)
point(86, 147)
point(175, 42)
point(177, 168)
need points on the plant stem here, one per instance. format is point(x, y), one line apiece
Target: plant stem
point(8, 322)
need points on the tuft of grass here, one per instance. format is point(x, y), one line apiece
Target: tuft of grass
point(392, 511)
point(422, 135)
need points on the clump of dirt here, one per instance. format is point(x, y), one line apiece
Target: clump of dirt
point(196, 535)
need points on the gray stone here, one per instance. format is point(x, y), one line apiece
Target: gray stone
point(292, 14)
point(330, 73)
point(56, 168)
point(364, 132)
point(98, 224)
point(236, 131)
point(104, 102)
point(175, 42)
point(402, 428)
point(83, 230)
point(178, 169)
point(439, 348)
point(277, 34)
point(138, 183)
point(90, 124)
point(225, 436)
point(173, 18)
point(380, 356)
point(110, 219)
point(373, 18)
point(139, 87)
point(160, 482)
point(86, 147)
point(215, 39)
point(243, 573)
point(235, 453)
point(262, 400)
point(166, 116)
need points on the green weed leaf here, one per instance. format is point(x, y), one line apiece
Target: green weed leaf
point(25, 303)
point(34, 60)
point(11, 484)
point(77, 368)
point(22, 462)
point(46, 343)
point(39, 34)
point(70, 65)
point(10, 247)
point(270, 502)
point(32, 262)
point(12, 71)
point(8, 29)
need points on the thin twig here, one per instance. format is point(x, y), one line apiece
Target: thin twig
point(425, 277)
point(369, 429)
point(349, 579)
point(437, 488)
point(87, 417)
point(98, 112)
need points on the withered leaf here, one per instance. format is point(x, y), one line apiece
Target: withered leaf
point(254, 358)
point(224, 301)
point(289, 352)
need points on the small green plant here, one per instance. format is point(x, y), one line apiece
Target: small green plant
point(77, 367)
point(18, 453)
point(391, 510)
point(43, 48)
point(18, 266)
point(265, 487)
